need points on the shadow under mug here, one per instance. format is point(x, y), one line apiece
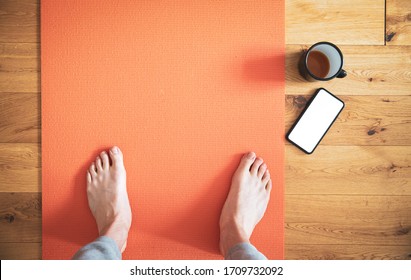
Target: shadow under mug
point(328, 57)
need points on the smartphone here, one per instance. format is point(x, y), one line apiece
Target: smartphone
point(316, 119)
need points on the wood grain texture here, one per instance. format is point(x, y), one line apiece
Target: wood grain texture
point(398, 22)
point(19, 21)
point(372, 70)
point(304, 21)
point(342, 22)
point(20, 251)
point(365, 120)
point(20, 118)
point(19, 67)
point(372, 170)
point(20, 217)
point(20, 167)
point(347, 252)
point(348, 219)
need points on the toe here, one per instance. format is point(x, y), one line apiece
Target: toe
point(105, 160)
point(269, 186)
point(116, 156)
point(246, 161)
point(266, 177)
point(261, 170)
point(99, 164)
point(88, 177)
point(256, 165)
point(92, 170)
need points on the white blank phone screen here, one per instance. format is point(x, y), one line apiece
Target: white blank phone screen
point(316, 120)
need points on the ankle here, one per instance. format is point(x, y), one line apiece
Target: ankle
point(230, 235)
point(118, 231)
point(119, 237)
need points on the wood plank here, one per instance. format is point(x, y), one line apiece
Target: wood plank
point(19, 67)
point(372, 70)
point(20, 117)
point(365, 120)
point(372, 170)
point(346, 252)
point(348, 219)
point(304, 21)
point(20, 167)
point(20, 21)
point(20, 217)
point(342, 22)
point(398, 22)
point(20, 251)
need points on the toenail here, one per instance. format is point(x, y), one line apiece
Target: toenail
point(114, 150)
point(251, 155)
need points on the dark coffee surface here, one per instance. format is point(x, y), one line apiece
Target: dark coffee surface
point(318, 64)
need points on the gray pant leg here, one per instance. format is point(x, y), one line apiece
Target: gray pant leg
point(244, 251)
point(103, 248)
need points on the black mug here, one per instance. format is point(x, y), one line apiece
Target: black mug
point(323, 61)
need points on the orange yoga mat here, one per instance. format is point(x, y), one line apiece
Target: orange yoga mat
point(184, 88)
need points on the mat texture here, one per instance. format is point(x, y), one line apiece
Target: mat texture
point(184, 88)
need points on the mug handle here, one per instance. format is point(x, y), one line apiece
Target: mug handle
point(342, 74)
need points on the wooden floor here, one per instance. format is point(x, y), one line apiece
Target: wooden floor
point(351, 199)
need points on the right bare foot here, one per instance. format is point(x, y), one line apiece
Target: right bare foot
point(107, 196)
point(246, 202)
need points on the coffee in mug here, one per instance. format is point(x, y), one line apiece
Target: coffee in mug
point(322, 62)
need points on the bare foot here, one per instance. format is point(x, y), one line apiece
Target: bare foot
point(107, 196)
point(246, 202)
